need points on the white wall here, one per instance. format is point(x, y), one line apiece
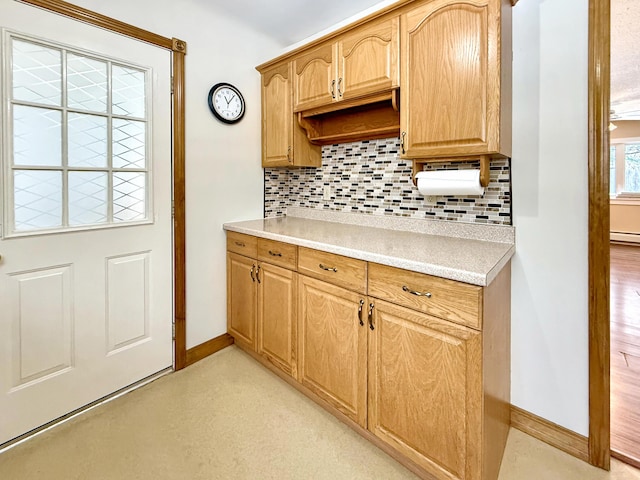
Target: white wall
point(550, 193)
point(224, 179)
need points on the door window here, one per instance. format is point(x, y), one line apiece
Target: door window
point(77, 149)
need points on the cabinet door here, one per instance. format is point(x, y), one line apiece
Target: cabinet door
point(241, 299)
point(277, 319)
point(277, 117)
point(332, 346)
point(450, 79)
point(368, 59)
point(425, 390)
point(315, 78)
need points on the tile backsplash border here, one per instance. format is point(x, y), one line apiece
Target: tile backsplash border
point(369, 177)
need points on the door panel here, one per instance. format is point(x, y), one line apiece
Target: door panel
point(86, 312)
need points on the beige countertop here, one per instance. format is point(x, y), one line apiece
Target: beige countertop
point(466, 260)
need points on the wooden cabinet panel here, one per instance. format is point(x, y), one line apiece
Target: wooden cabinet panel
point(277, 117)
point(284, 142)
point(450, 102)
point(447, 299)
point(277, 318)
point(332, 346)
point(315, 78)
point(337, 269)
point(278, 253)
point(246, 245)
point(241, 299)
point(425, 390)
point(368, 59)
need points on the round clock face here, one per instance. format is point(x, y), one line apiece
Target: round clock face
point(226, 102)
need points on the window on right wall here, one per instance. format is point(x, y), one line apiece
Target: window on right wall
point(624, 168)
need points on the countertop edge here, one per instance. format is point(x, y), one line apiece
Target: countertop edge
point(465, 276)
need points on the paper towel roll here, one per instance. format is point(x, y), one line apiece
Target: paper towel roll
point(449, 182)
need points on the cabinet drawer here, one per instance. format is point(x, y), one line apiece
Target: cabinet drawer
point(278, 253)
point(243, 244)
point(454, 301)
point(343, 271)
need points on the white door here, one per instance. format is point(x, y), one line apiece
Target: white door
point(86, 244)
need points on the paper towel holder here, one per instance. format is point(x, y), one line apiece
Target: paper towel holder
point(485, 166)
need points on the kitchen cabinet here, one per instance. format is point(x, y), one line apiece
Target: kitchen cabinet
point(284, 142)
point(333, 346)
point(358, 63)
point(421, 363)
point(455, 79)
point(425, 390)
point(262, 298)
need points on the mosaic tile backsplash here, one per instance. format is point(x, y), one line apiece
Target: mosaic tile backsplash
point(370, 177)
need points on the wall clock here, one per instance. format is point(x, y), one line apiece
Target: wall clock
point(226, 103)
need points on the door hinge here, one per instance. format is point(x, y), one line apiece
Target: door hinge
point(173, 331)
point(172, 85)
point(173, 210)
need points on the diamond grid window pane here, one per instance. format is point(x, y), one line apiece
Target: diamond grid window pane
point(127, 91)
point(87, 198)
point(129, 196)
point(129, 138)
point(86, 83)
point(87, 140)
point(37, 136)
point(37, 199)
point(37, 73)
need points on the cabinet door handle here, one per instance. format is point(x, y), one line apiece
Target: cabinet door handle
point(413, 292)
point(275, 254)
point(253, 278)
point(333, 89)
point(360, 312)
point(240, 244)
point(340, 86)
point(328, 269)
point(258, 274)
point(371, 316)
point(404, 134)
point(289, 159)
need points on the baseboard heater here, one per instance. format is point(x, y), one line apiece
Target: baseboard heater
point(625, 237)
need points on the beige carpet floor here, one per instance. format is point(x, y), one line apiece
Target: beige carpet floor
point(227, 417)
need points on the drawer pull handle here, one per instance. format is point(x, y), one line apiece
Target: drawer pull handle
point(275, 254)
point(413, 292)
point(328, 269)
point(360, 312)
point(240, 244)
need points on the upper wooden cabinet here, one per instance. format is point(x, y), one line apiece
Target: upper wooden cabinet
point(284, 142)
point(455, 78)
point(358, 63)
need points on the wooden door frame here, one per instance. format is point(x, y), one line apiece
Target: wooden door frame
point(599, 348)
point(178, 49)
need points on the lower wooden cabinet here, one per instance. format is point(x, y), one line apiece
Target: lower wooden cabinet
point(277, 316)
point(333, 346)
point(262, 309)
point(428, 376)
point(425, 390)
point(241, 299)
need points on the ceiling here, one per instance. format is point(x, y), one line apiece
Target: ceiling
point(625, 59)
point(290, 21)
